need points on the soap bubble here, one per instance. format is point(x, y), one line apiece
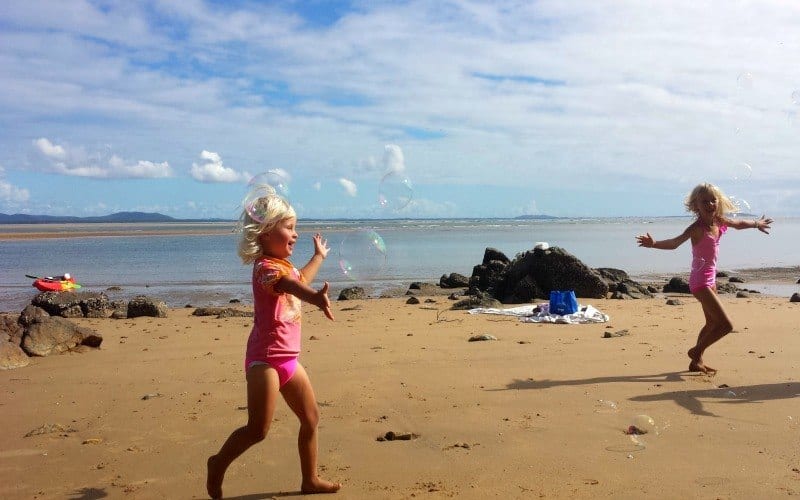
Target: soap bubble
point(742, 172)
point(362, 255)
point(745, 80)
point(796, 97)
point(270, 183)
point(742, 206)
point(277, 178)
point(255, 204)
point(395, 191)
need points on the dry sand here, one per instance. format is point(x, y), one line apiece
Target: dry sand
point(539, 413)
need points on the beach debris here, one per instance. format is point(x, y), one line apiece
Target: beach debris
point(641, 424)
point(395, 436)
point(50, 429)
point(482, 337)
point(618, 333)
point(92, 441)
point(674, 302)
point(151, 396)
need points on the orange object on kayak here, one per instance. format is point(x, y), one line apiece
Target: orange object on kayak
point(60, 284)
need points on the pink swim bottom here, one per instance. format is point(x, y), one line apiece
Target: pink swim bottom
point(285, 366)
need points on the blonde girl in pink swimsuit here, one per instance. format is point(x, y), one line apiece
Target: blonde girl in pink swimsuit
point(710, 205)
point(271, 364)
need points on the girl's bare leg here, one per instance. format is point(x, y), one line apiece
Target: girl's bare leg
point(299, 395)
point(718, 324)
point(262, 394)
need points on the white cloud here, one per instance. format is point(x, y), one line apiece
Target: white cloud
point(212, 170)
point(317, 186)
point(393, 160)
point(49, 149)
point(75, 161)
point(349, 186)
point(13, 194)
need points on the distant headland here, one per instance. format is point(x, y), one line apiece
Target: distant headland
point(136, 217)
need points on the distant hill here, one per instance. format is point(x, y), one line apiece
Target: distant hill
point(116, 217)
point(536, 217)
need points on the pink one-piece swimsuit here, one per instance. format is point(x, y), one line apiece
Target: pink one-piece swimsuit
point(704, 260)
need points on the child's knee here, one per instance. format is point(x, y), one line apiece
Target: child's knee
point(310, 418)
point(257, 433)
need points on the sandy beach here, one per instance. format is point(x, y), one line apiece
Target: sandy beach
point(540, 412)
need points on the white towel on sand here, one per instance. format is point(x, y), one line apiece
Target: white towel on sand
point(539, 313)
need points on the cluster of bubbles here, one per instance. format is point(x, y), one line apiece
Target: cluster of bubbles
point(742, 172)
point(361, 253)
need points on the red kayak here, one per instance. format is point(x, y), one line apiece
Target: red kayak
point(57, 284)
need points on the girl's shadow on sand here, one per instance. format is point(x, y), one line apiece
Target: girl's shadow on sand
point(692, 400)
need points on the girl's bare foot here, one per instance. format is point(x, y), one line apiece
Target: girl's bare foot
point(319, 486)
point(214, 478)
point(694, 366)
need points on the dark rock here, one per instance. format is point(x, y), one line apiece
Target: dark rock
point(795, 297)
point(674, 302)
point(11, 327)
point(353, 293)
point(735, 279)
point(142, 305)
point(494, 255)
point(722, 274)
point(119, 309)
point(32, 314)
point(482, 337)
point(621, 285)
point(741, 294)
point(618, 333)
point(222, 312)
point(12, 356)
point(421, 288)
point(475, 301)
point(727, 288)
point(454, 280)
point(676, 285)
point(412, 300)
point(73, 304)
point(54, 334)
point(453, 296)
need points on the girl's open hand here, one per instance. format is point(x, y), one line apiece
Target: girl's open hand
point(645, 240)
point(763, 224)
point(322, 301)
point(320, 246)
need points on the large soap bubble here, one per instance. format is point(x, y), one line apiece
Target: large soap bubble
point(395, 191)
point(362, 255)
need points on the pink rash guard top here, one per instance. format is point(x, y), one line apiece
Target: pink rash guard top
point(275, 336)
point(704, 260)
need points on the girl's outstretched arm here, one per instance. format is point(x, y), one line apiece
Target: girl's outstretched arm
point(763, 224)
point(305, 293)
point(647, 241)
point(321, 249)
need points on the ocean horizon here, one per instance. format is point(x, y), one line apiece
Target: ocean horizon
point(199, 266)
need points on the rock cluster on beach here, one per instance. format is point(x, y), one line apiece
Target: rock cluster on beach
point(43, 327)
point(535, 273)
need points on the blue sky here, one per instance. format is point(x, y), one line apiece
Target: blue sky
point(485, 109)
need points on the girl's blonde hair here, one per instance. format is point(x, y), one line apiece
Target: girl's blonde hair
point(724, 204)
point(274, 209)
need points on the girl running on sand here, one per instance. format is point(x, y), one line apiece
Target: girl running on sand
point(271, 362)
